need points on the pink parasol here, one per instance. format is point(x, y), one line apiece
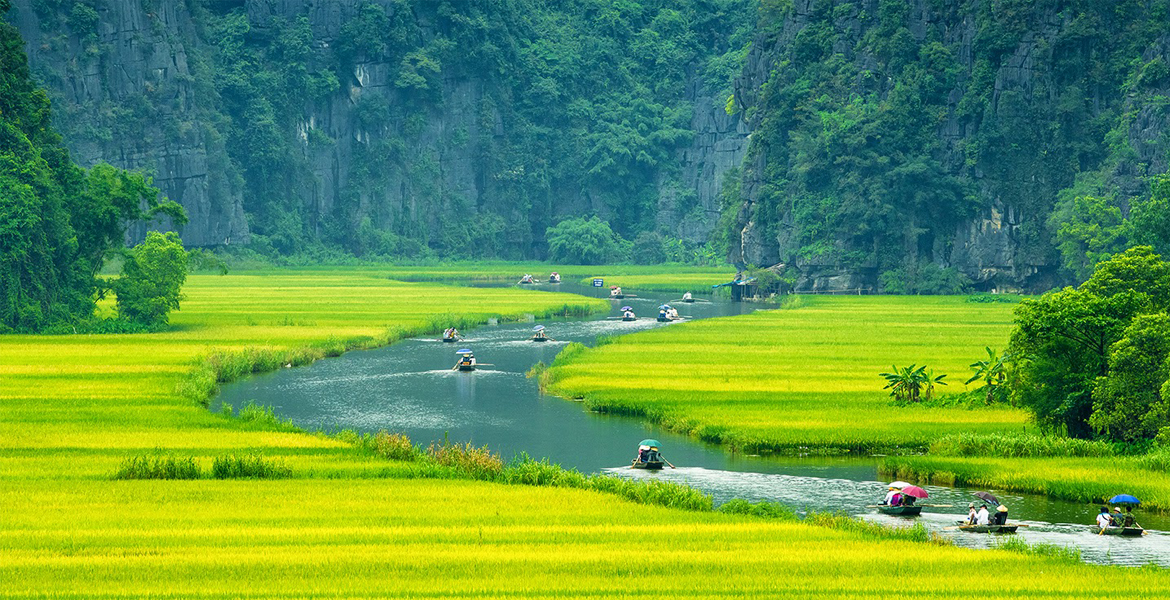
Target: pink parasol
point(915, 491)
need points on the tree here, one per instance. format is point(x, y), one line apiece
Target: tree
point(583, 242)
point(649, 249)
point(1088, 230)
point(1149, 220)
point(1128, 403)
point(992, 371)
point(1063, 341)
point(1061, 344)
point(152, 279)
point(1137, 270)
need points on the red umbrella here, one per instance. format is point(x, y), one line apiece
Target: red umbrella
point(915, 491)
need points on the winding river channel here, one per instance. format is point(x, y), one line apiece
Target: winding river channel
point(409, 387)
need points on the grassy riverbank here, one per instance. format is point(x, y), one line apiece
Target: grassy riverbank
point(343, 521)
point(1080, 479)
point(799, 378)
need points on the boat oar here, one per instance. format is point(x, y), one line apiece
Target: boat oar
point(938, 505)
point(668, 462)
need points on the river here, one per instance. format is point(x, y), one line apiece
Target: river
point(409, 387)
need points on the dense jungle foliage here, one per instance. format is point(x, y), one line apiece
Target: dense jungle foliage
point(882, 129)
point(58, 222)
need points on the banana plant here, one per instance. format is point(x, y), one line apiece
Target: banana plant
point(993, 372)
point(913, 383)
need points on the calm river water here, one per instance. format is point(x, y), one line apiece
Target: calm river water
point(409, 387)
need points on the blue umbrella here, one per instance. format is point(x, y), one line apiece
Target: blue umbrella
point(464, 351)
point(538, 328)
point(1124, 499)
point(627, 308)
point(664, 307)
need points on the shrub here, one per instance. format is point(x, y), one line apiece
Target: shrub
point(395, 446)
point(158, 467)
point(252, 466)
point(478, 463)
point(763, 508)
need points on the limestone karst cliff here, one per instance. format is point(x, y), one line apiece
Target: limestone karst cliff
point(891, 138)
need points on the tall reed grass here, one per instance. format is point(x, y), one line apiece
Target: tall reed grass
point(158, 466)
point(249, 466)
point(1017, 445)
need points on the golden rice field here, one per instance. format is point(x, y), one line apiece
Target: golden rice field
point(349, 525)
point(798, 377)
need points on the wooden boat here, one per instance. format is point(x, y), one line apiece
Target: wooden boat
point(688, 300)
point(989, 528)
point(663, 320)
point(629, 318)
point(1122, 531)
point(905, 511)
point(653, 465)
point(617, 296)
point(526, 283)
point(449, 340)
point(551, 280)
point(540, 339)
point(466, 367)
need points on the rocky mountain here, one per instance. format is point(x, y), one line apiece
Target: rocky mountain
point(388, 126)
point(896, 140)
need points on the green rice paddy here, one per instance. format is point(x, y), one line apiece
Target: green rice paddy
point(798, 378)
point(344, 522)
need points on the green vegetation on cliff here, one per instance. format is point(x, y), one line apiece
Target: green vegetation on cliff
point(883, 128)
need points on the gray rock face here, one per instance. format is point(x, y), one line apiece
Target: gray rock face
point(135, 61)
point(689, 207)
point(999, 248)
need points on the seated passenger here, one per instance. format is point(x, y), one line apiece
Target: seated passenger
point(1103, 518)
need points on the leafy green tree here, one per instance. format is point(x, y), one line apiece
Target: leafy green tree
point(993, 372)
point(1088, 230)
point(1128, 403)
point(1063, 340)
point(152, 279)
point(1061, 344)
point(1138, 270)
point(1150, 218)
point(649, 249)
point(583, 242)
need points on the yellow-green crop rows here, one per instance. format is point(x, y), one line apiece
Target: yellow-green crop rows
point(348, 524)
point(798, 377)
